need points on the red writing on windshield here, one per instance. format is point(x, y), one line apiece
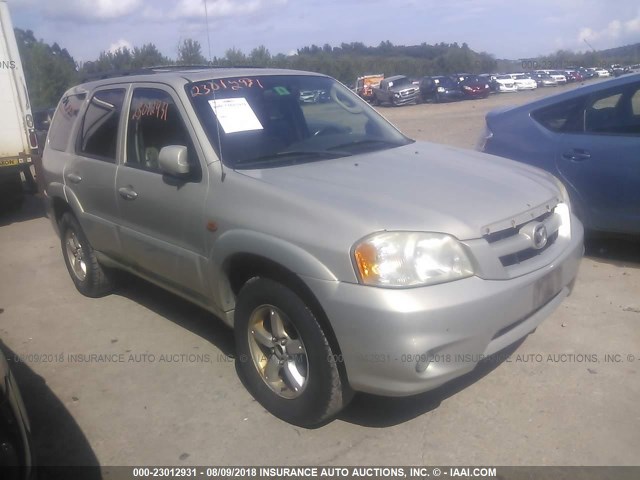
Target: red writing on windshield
point(234, 84)
point(156, 109)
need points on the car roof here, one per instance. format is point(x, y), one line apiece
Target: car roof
point(177, 78)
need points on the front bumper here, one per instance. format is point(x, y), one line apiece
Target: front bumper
point(405, 99)
point(452, 94)
point(400, 342)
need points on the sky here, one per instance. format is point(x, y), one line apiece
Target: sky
point(507, 29)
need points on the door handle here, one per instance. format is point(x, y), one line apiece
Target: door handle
point(128, 193)
point(74, 177)
point(576, 155)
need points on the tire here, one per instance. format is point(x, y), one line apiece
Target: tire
point(89, 277)
point(313, 391)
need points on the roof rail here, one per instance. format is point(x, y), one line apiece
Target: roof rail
point(155, 69)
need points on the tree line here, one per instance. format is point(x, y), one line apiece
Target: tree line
point(50, 70)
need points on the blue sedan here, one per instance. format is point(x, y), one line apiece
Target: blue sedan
point(590, 139)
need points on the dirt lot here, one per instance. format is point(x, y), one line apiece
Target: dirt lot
point(558, 400)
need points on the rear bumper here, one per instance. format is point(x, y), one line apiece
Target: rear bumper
point(12, 167)
point(12, 170)
point(401, 342)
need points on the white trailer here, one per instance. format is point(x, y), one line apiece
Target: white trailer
point(18, 141)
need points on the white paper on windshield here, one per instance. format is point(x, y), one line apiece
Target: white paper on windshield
point(235, 115)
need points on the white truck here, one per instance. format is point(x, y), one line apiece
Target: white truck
point(18, 141)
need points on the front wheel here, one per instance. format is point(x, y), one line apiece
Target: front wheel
point(284, 357)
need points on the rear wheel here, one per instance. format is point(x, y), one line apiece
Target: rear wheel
point(284, 357)
point(90, 278)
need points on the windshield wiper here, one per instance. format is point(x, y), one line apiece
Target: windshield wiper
point(367, 141)
point(306, 154)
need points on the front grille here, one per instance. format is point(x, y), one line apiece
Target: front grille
point(510, 232)
point(529, 253)
point(514, 246)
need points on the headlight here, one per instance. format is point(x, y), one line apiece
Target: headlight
point(564, 195)
point(564, 210)
point(410, 259)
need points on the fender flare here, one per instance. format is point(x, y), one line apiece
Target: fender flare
point(286, 254)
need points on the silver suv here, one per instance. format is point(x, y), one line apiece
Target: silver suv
point(346, 256)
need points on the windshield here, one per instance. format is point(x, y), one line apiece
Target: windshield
point(472, 80)
point(267, 121)
point(400, 82)
point(447, 82)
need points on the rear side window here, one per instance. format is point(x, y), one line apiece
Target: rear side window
point(64, 119)
point(635, 104)
point(613, 112)
point(564, 117)
point(99, 136)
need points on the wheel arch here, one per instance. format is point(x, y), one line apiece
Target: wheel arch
point(241, 267)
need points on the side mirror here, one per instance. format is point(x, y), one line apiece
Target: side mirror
point(173, 160)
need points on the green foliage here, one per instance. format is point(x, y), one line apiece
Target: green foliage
point(190, 53)
point(125, 60)
point(260, 57)
point(49, 70)
point(234, 57)
point(350, 60)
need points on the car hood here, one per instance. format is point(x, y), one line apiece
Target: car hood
point(418, 187)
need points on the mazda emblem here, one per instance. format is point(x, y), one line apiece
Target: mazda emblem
point(539, 236)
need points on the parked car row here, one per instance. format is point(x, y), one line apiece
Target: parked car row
point(401, 90)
